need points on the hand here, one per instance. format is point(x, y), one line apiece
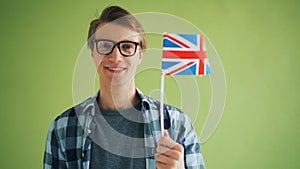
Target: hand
point(170, 155)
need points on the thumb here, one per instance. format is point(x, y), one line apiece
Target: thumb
point(166, 133)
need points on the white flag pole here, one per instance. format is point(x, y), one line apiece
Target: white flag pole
point(162, 103)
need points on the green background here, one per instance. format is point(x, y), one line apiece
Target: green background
point(257, 42)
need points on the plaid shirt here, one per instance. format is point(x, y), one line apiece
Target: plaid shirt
point(69, 143)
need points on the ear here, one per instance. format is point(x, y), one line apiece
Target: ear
point(92, 52)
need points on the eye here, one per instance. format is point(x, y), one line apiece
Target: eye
point(105, 45)
point(127, 46)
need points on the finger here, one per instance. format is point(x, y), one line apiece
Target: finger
point(160, 165)
point(166, 141)
point(162, 149)
point(178, 147)
point(176, 152)
point(166, 161)
point(173, 154)
point(166, 133)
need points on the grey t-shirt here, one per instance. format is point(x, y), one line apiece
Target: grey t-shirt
point(127, 122)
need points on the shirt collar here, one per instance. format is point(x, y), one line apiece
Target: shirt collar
point(145, 100)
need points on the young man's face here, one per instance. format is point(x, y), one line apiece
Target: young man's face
point(114, 68)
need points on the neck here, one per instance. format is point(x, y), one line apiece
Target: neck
point(118, 97)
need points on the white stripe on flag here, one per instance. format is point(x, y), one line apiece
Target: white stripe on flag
point(195, 47)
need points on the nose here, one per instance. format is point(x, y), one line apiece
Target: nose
point(116, 56)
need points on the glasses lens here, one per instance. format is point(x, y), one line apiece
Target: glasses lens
point(105, 47)
point(127, 48)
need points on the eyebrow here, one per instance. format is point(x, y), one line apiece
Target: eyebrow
point(126, 40)
point(106, 40)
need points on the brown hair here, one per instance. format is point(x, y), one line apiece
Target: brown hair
point(120, 16)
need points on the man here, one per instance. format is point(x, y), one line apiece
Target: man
point(120, 127)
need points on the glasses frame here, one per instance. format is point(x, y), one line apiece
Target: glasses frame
point(116, 44)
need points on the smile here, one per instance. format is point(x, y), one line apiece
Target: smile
point(115, 68)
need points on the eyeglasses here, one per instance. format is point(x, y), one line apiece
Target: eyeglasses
point(106, 47)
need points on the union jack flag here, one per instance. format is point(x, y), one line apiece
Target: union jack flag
point(184, 54)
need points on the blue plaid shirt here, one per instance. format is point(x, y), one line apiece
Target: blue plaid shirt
point(69, 143)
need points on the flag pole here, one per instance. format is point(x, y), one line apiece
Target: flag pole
point(162, 103)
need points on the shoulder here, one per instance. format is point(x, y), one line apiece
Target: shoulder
point(70, 116)
point(69, 113)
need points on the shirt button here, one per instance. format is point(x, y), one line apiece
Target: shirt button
point(89, 131)
point(82, 155)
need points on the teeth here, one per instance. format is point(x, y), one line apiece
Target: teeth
point(115, 68)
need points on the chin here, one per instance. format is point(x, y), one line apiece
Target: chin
point(124, 81)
